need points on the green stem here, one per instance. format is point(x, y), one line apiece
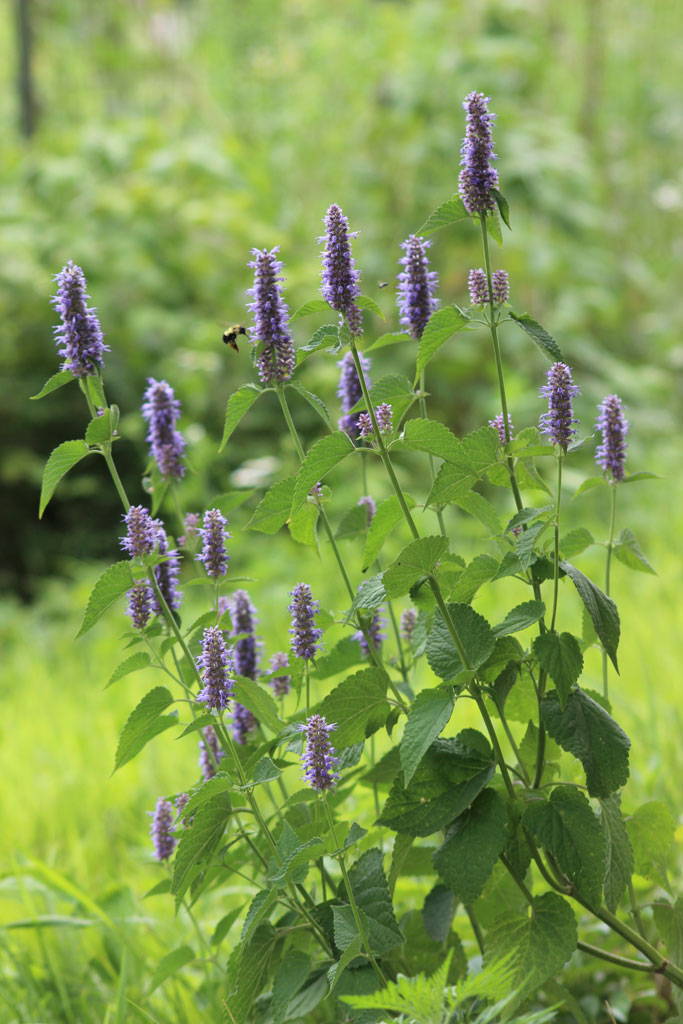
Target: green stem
point(610, 546)
point(483, 710)
point(307, 676)
point(352, 898)
point(635, 910)
point(515, 748)
point(476, 928)
point(556, 565)
point(423, 413)
point(614, 958)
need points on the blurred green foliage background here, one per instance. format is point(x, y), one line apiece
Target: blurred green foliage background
point(171, 137)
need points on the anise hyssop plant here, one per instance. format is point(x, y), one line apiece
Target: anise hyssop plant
point(515, 826)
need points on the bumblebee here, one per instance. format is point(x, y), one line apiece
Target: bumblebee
point(230, 335)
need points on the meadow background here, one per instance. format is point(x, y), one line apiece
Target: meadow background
point(169, 138)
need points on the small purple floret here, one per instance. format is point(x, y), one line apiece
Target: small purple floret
point(162, 829)
point(210, 753)
point(275, 361)
point(498, 424)
point(408, 623)
point(139, 605)
point(416, 286)
point(370, 507)
point(339, 275)
point(500, 284)
point(365, 428)
point(350, 392)
point(384, 414)
point(613, 426)
point(216, 663)
point(305, 634)
point(141, 538)
point(243, 722)
point(477, 176)
point(214, 535)
point(478, 287)
point(246, 649)
point(79, 336)
point(161, 409)
point(166, 573)
point(281, 682)
point(558, 422)
point(319, 758)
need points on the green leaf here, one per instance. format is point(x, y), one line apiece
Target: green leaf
point(545, 341)
point(265, 770)
point(477, 505)
point(633, 477)
point(479, 450)
point(428, 715)
point(224, 925)
point(316, 403)
point(292, 974)
point(440, 327)
point(388, 515)
point(353, 523)
point(218, 783)
point(290, 870)
point(493, 226)
point(352, 950)
point(313, 306)
point(651, 833)
point(99, 429)
point(238, 405)
point(432, 437)
point(561, 657)
point(344, 655)
point(527, 515)
point(272, 512)
point(61, 460)
point(371, 594)
point(323, 456)
point(668, 920)
point(259, 908)
point(536, 946)
point(418, 999)
point(259, 702)
point(567, 827)
point(589, 484)
point(473, 844)
point(394, 389)
point(448, 213)
point(618, 852)
point(521, 617)
point(132, 664)
point(171, 963)
point(358, 706)
point(113, 582)
point(600, 607)
point(451, 483)
point(369, 886)
point(575, 541)
point(476, 637)
point(365, 302)
point(320, 339)
point(480, 570)
point(417, 560)
point(437, 912)
point(526, 544)
point(58, 380)
point(503, 206)
point(144, 723)
point(198, 843)
point(392, 338)
point(302, 526)
point(248, 970)
point(588, 732)
point(627, 550)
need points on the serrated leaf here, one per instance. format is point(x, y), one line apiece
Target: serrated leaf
point(437, 912)
point(58, 380)
point(302, 526)
point(114, 581)
point(521, 617)
point(651, 830)
point(350, 953)
point(365, 302)
point(432, 437)
point(633, 477)
point(575, 541)
point(262, 902)
point(61, 460)
point(265, 770)
point(668, 919)
point(239, 404)
point(618, 852)
point(314, 401)
point(391, 338)
point(272, 512)
point(171, 963)
point(474, 633)
point(291, 866)
point(144, 722)
point(448, 213)
point(224, 925)
point(247, 970)
point(353, 523)
point(323, 457)
point(371, 891)
point(493, 226)
point(394, 389)
point(441, 325)
point(526, 544)
point(527, 515)
point(567, 827)
point(600, 607)
point(589, 485)
point(588, 732)
point(320, 339)
point(451, 483)
point(218, 783)
point(292, 974)
point(371, 594)
point(428, 715)
point(388, 515)
point(535, 946)
point(358, 707)
point(480, 570)
point(344, 655)
point(477, 505)
point(503, 206)
point(472, 846)
point(132, 664)
point(259, 702)
point(627, 550)
point(417, 560)
point(312, 306)
point(99, 429)
point(198, 843)
point(545, 341)
point(560, 655)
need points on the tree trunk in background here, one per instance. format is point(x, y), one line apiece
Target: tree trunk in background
point(27, 104)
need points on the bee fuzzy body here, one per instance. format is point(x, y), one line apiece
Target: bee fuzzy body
point(231, 333)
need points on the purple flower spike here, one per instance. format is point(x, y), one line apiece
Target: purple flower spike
point(217, 668)
point(416, 286)
point(139, 605)
point(364, 424)
point(408, 623)
point(208, 747)
point(350, 392)
point(280, 683)
point(243, 722)
point(246, 650)
point(275, 361)
point(192, 520)
point(319, 758)
point(161, 409)
point(142, 532)
point(181, 802)
point(370, 507)
point(501, 286)
point(79, 336)
point(477, 176)
point(374, 631)
point(478, 287)
point(339, 275)
point(558, 422)
point(214, 535)
point(162, 826)
point(166, 573)
point(498, 424)
point(305, 634)
point(384, 414)
point(611, 454)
